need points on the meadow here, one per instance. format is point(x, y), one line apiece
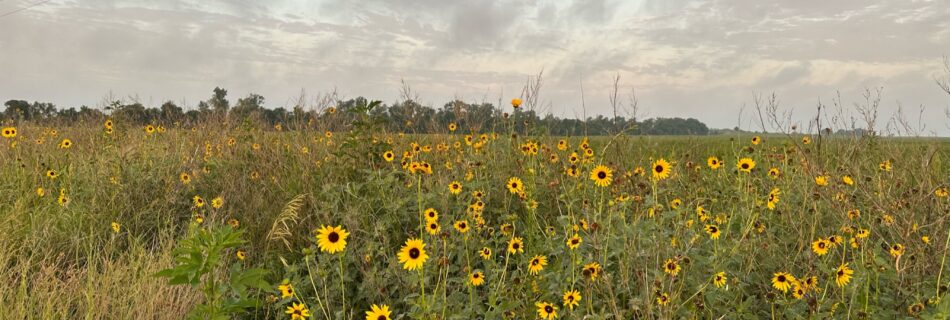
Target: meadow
point(110, 220)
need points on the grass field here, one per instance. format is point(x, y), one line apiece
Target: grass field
point(279, 224)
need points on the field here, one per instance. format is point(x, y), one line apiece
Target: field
point(121, 221)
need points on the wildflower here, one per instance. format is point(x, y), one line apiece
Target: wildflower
point(782, 281)
point(185, 178)
point(389, 156)
point(433, 228)
point(896, 250)
point(515, 103)
point(574, 241)
point(942, 192)
point(756, 140)
point(40, 192)
point(774, 173)
point(485, 253)
point(431, 214)
point(746, 165)
point(661, 169)
point(515, 245)
point(821, 181)
point(537, 264)
point(546, 310)
point(477, 278)
point(885, 165)
point(413, 254)
point(843, 275)
point(663, 299)
point(671, 267)
point(286, 289)
point(241, 255)
point(720, 279)
point(571, 298)
point(455, 187)
point(65, 144)
point(601, 175)
point(820, 247)
point(713, 231)
point(298, 311)
point(377, 312)
point(514, 185)
point(116, 227)
point(198, 201)
point(217, 202)
point(331, 239)
point(846, 179)
point(591, 270)
point(461, 226)
point(9, 132)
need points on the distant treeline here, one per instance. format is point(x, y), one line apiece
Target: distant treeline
point(406, 116)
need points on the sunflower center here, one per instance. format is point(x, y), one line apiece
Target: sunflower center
point(745, 166)
point(781, 278)
point(658, 169)
point(548, 309)
point(514, 185)
point(414, 253)
point(601, 175)
point(462, 225)
point(840, 273)
point(574, 241)
point(333, 237)
point(381, 317)
point(534, 262)
point(821, 245)
point(515, 246)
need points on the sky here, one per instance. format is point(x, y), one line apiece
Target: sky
point(700, 59)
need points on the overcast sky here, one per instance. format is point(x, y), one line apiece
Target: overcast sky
point(701, 59)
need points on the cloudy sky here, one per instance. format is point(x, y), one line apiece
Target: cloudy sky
point(701, 59)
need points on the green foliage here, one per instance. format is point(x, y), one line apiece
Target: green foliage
point(200, 261)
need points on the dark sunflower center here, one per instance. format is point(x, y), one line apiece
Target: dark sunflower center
point(534, 262)
point(462, 225)
point(514, 185)
point(515, 246)
point(381, 317)
point(745, 166)
point(548, 309)
point(840, 273)
point(433, 226)
point(658, 169)
point(414, 253)
point(601, 175)
point(333, 237)
point(475, 276)
point(574, 241)
point(781, 278)
point(821, 245)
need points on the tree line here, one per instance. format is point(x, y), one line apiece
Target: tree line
point(404, 116)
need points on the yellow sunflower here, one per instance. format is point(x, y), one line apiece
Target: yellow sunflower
point(746, 165)
point(9, 132)
point(298, 311)
point(413, 254)
point(782, 281)
point(537, 264)
point(820, 247)
point(331, 239)
point(477, 278)
point(485, 253)
point(546, 310)
point(714, 163)
point(843, 275)
point(671, 267)
point(377, 312)
point(571, 298)
point(515, 245)
point(720, 279)
point(455, 187)
point(601, 175)
point(661, 169)
point(574, 241)
point(515, 186)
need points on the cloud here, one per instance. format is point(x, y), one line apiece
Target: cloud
point(686, 58)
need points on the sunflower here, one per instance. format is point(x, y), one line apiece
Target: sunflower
point(720, 279)
point(885, 165)
point(52, 174)
point(477, 278)
point(661, 169)
point(546, 310)
point(713, 231)
point(485, 253)
point(149, 129)
point(820, 247)
point(298, 311)
point(797, 291)
point(108, 124)
point(461, 226)
point(9, 132)
point(915, 309)
point(455, 187)
point(811, 283)
point(746, 165)
point(896, 250)
point(116, 227)
point(65, 144)
point(806, 140)
point(452, 127)
point(515, 245)
point(331, 239)
point(562, 145)
point(942, 192)
point(591, 270)
point(431, 215)
point(773, 198)
point(663, 299)
point(574, 241)
point(286, 289)
point(671, 267)
point(185, 178)
point(821, 181)
point(515, 103)
point(675, 203)
point(241, 255)
point(433, 228)
point(537, 264)
point(714, 163)
point(217, 202)
point(198, 201)
point(514, 185)
point(377, 312)
point(782, 281)
point(843, 275)
point(572, 171)
point(389, 156)
point(571, 298)
point(601, 175)
point(756, 140)
point(413, 254)
point(774, 173)
point(846, 179)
